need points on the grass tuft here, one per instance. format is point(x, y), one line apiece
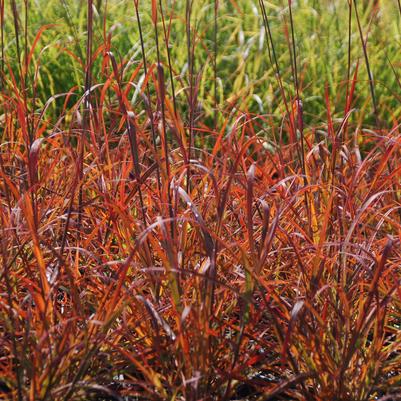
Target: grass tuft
point(200, 200)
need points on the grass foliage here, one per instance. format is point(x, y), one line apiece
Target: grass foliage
point(200, 200)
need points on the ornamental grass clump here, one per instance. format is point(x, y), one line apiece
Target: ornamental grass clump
point(175, 226)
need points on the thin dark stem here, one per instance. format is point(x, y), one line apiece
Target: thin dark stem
point(273, 58)
point(160, 74)
point(149, 109)
point(294, 50)
point(166, 40)
point(343, 133)
point(349, 46)
point(26, 40)
point(216, 10)
point(188, 12)
point(29, 121)
point(298, 121)
point(365, 53)
point(161, 92)
point(86, 114)
point(170, 68)
point(16, 32)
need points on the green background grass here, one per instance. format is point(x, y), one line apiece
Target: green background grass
point(243, 68)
